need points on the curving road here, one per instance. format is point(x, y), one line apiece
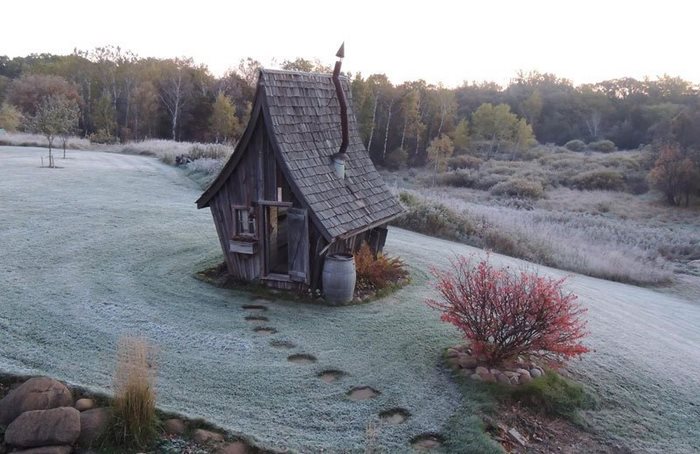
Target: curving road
point(107, 245)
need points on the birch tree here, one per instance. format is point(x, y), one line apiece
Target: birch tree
point(175, 91)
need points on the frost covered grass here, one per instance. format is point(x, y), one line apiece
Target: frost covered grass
point(107, 246)
point(168, 150)
point(605, 234)
point(23, 139)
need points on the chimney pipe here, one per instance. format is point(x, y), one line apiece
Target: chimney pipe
point(340, 157)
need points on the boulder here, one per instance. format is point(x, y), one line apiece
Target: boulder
point(452, 352)
point(482, 370)
point(38, 393)
point(174, 426)
point(488, 377)
point(476, 377)
point(536, 372)
point(466, 361)
point(237, 447)
point(46, 450)
point(93, 425)
point(206, 436)
point(523, 372)
point(57, 426)
point(524, 378)
point(503, 378)
point(84, 404)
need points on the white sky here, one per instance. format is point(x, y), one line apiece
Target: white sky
point(436, 40)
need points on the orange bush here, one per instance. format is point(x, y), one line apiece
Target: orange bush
point(378, 271)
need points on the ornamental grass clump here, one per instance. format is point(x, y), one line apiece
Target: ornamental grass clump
point(378, 271)
point(134, 402)
point(503, 314)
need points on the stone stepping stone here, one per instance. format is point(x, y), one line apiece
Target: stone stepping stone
point(257, 319)
point(331, 375)
point(282, 344)
point(395, 416)
point(301, 358)
point(427, 441)
point(264, 330)
point(362, 393)
point(254, 307)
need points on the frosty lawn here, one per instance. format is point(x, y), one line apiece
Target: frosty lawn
point(107, 246)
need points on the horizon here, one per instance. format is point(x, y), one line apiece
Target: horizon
point(545, 37)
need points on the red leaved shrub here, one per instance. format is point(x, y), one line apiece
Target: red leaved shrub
point(378, 272)
point(505, 314)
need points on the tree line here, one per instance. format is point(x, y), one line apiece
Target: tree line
point(123, 97)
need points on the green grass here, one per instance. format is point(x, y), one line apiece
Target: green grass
point(555, 396)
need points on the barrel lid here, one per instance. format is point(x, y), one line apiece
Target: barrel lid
point(340, 257)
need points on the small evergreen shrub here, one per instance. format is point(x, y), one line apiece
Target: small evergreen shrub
point(593, 180)
point(433, 219)
point(464, 161)
point(575, 145)
point(458, 178)
point(519, 187)
point(396, 159)
point(604, 146)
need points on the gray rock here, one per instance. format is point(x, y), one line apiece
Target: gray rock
point(523, 372)
point(237, 447)
point(536, 372)
point(174, 426)
point(57, 426)
point(38, 393)
point(466, 361)
point(503, 378)
point(476, 377)
point(206, 436)
point(482, 370)
point(93, 425)
point(47, 450)
point(84, 404)
point(524, 378)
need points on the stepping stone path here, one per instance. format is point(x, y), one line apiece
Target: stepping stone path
point(282, 344)
point(254, 307)
point(427, 442)
point(257, 319)
point(395, 416)
point(362, 393)
point(301, 358)
point(265, 330)
point(330, 376)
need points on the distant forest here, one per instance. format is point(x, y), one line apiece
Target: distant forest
point(124, 97)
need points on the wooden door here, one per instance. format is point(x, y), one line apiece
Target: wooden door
point(298, 235)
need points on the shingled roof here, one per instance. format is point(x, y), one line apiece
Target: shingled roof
point(302, 116)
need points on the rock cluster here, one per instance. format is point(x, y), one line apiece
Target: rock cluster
point(39, 417)
point(461, 358)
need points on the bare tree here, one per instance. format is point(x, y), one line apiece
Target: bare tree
point(175, 90)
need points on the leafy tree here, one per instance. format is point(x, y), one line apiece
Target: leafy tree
point(224, 123)
point(54, 117)
point(304, 65)
point(504, 314)
point(675, 175)
point(460, 136)
point(497, 125)
point(30, 91)
point(10, 117)
point(439, 152)
point(70, 113)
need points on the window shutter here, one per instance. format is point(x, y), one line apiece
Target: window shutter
point(298, 244)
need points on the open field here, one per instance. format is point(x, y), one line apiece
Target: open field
point(107, 246)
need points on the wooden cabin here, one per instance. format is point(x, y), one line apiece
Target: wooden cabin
point(283, 201)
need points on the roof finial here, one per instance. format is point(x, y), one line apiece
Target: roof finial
point(341, 51)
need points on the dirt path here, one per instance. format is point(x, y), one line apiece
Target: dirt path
point(107, 246)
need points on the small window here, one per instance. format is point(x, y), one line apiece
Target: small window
point(244, 220)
